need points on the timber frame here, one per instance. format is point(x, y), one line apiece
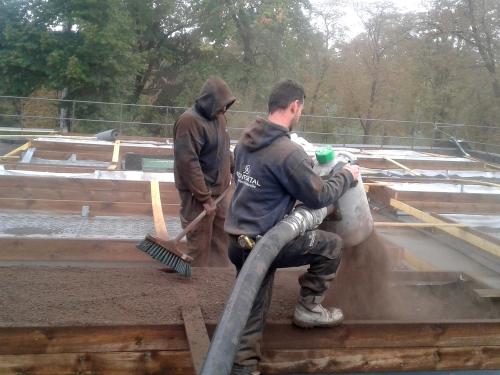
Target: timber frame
point(356, 346)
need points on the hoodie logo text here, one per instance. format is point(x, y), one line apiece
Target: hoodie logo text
point(246, 179)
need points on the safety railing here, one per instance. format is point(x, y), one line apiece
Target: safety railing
point(82, 116)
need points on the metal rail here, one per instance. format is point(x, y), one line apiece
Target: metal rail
point(147, 119)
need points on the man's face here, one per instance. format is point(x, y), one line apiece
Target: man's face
point(297, 112)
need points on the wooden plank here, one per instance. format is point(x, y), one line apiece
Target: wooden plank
point(400, 165)
point(116, 155)
point(117, 363)
point(284, 336)
point(97, 208)
point(383, 194)
point(85, 195)
point(415, 262)
point(428, 196)
point(53, 340)
point(65, 155)
point(488, 293)
point(125, 147)
point(78, 184)
point(452, 207)
point(380, 163)
point(473, 231)
point(49, 168)
point(18, 150)
point(470, 238)
point(197, 335)
point(374, 360)
point(373, 334)
point(389, 224)
point(156, 207)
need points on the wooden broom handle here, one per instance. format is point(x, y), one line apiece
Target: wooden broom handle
point(198, 218)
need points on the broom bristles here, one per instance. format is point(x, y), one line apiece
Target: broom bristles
point(163, 255)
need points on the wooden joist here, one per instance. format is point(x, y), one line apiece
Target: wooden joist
point(78, 148)
point(79, 184)
point(400, 165)
point(97, 208)
point(111, 363)
point(389, 224)
point(18, 150)
point(375, 360)
point(438, 202)
point(196, 333)
point(353, 346)
point(48, 168)
point(157, 211)
point(460, 233)
point(103, 156)
point(443, 164)
point(116, 156)
point(453, 207)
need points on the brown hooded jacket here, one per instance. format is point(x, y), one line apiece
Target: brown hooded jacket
point(201, 143)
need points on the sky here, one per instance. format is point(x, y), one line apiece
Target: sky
point(351, 20)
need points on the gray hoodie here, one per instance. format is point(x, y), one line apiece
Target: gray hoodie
point(271, 174)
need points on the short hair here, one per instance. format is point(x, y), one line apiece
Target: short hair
point(283, 93)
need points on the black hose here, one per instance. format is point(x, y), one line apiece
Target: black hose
point(230, 328)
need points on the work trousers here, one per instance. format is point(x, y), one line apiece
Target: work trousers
point(207, 242)
point(319, 249)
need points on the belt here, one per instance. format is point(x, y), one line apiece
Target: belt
point(244, 241)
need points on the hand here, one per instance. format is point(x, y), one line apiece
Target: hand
point(209, 207)
point(354, 169)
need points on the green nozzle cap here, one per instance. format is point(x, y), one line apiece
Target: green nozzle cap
point(325, 155)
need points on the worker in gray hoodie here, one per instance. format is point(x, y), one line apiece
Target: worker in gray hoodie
point(202, 169)
point(271, 174)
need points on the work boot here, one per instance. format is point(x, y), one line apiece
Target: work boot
point(310, 313)
point(244, 370)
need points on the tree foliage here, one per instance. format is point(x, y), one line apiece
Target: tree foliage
point(438, 65)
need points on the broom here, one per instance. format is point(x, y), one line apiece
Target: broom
point(160, 247)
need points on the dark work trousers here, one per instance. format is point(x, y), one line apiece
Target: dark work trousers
point(207, 242)
point(319, 249)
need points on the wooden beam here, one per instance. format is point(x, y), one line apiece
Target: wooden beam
point(389, 224)
point(488, 293)
point(78, 184)
point(453, 207)
point(353, 346)
point(95, 339)
point(125, 147)
point(97, 208)
point(156, 206)
point(470, 238)
point(197, 335)
point(115, 363)
point(116, 155)
point(375, 360)
point(400, 165)
point(49, 168)
point(18, 150)
point(85, 195)
point(103, 156)
point(381, 163)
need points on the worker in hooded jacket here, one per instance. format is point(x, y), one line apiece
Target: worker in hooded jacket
point(271, 174)
point(202, 168)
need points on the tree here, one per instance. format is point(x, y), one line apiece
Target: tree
point(476, 23)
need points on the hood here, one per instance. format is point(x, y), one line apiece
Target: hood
point(261, 133)
point(215, 94)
